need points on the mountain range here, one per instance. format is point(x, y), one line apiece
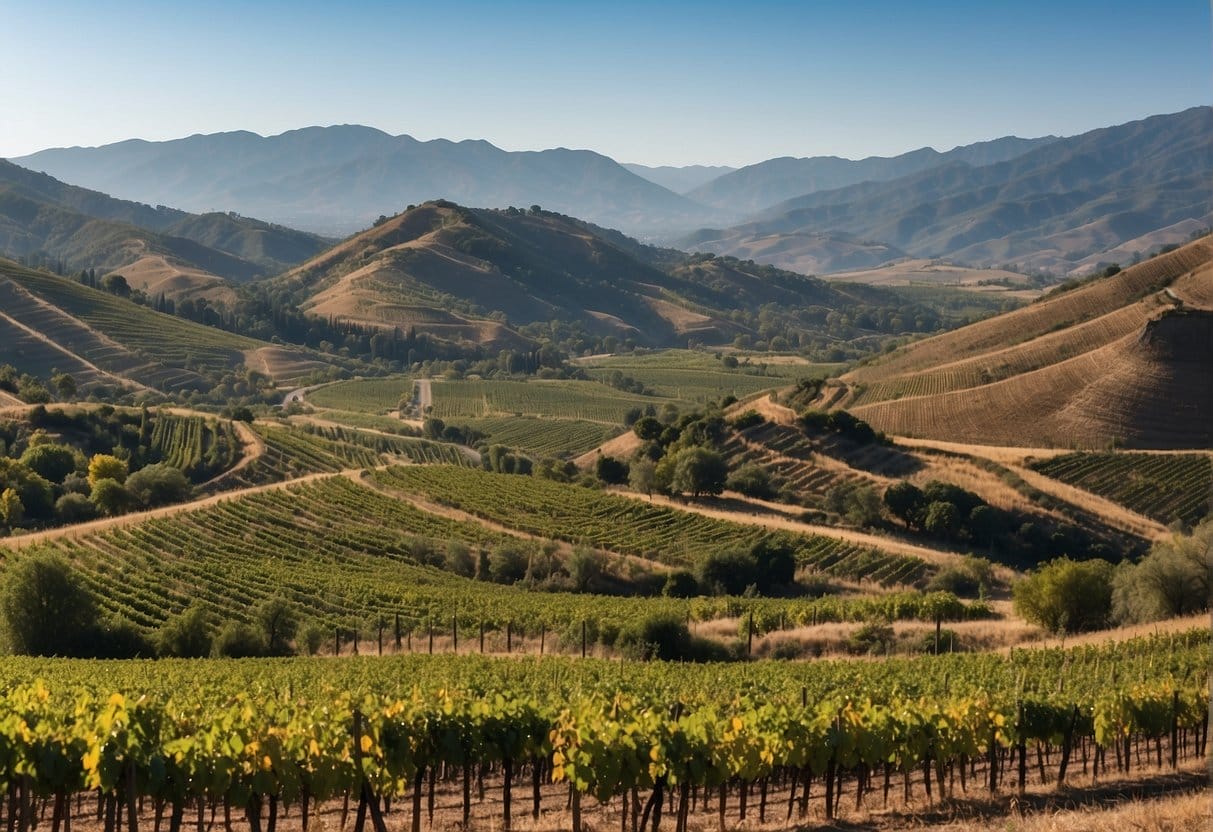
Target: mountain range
point(1049, 204)
point(1061, 207)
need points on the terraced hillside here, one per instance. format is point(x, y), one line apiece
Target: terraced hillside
point(1122, 358)
point(64, 324)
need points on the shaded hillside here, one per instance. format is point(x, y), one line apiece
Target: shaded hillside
point(759, 186)
point(1057, 208)
point(493, 276)
point(339, 179)
point(89, 229)
point(807, 252)
point(55, 323)
point(1122, 359)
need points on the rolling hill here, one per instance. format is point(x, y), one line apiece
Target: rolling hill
point(1119, 360)
point(339, 179)
point(160, 249)
point(1060, 207)
point(481, 275)
point(680, 180)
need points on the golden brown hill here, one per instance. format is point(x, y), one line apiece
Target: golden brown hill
point(1126, 359)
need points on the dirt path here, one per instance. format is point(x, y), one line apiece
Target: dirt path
point(296, 395)
point(1014, 459)
point(424, 395)
point(769, 516)
point(106, 523)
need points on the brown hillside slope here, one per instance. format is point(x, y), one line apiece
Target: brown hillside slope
point(1127, 358)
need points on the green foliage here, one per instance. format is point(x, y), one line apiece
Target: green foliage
point(904, 501)
point(74, 508)
point(941, 519)
point(1175, 578)
point(875, 638)
point(157, 485)
point(186, 635)
point(111, 497)
point(857, 503)
point(610, 470)
point(35, 493)
point(973, 577)
point(680, 583)
point(698, 472)
point(753, 480)
point(508, 563)
point(47, 608)
point(1066, 596)
point(237, 640)
point(459, 559)
point(12, 510)
point(642, 476)
point(586, 568)
point(52, 462)
point(106, 467)
point(278, 622)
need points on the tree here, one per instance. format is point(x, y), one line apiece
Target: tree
point(37, 496)
point(508, 563)
point(238, 641)
point(753, 480)
point(1173, 579)
point(74, 508)
point(106, 467)
point(110, 497)
point(680, 583)
point(157, 485)
point(459, 559)
point(12, 512)
point(187, 635)
point(904, 501)
point(642, 476)
point(698, 471)
point(647, 428)
point(611, 470)
point(64, 385)
point(942, 519)
point(47, 609)
point(586, 568)
point(116, 284)
point(1066, 595)
point(278, 623)
point(51, 461)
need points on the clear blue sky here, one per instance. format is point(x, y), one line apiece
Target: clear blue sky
point(656, 83)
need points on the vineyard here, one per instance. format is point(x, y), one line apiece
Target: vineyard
point(1166, 487)
point(202, 448)
point(292, 452)
point(503, 740)
point(629, 526)
point(351, 556)
point(696, 385)
point(578, 400)
point(542, 437)
point(371, 395)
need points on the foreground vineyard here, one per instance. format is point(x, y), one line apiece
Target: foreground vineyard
point(257, 735)
point(351, 557)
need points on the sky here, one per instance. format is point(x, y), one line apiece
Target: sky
point(659, 83)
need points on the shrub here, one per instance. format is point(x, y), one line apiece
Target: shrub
point(52, 462)
point(747, 420)
point(972, 578)
point(875, 637)
point(187, 635)
point(110, 497)
point(1066, 595)
point(74, 508)
point(1173, 579)
point(278, 623)
point(753, 480)
point(106, 467)
point(157, 485)
point(508, 563)
point(680, 583)
point(459, 559)
point(611, 470)
point(311, 638)
point(586, 567)
point(238, 641)
point(119, 638)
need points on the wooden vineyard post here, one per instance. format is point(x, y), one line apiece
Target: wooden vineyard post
point(336, 641)
point(454, 634)
point(431, 637)
point(1174, 729)
point(1022, 748)
point(749, 641)
point(380, 635)
point(543, 634)
point(397, 632)
point(583, 638)
point(509, 637)
point(482, 638)
point(355, 640)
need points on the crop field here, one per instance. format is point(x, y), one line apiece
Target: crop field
point(349, 554)
point(621, 524)
point(370, 395)
point(555, 736)
point(202, 448)
point(579, 400)
point(292, 452)
point(1166, 487)
point(162, 338)
point(543, 437)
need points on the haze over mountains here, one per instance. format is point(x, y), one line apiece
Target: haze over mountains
point(1058, 205)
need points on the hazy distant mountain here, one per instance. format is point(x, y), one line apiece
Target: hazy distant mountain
point(755, 187)
point(339, 179)
point(162, 249)
point(1054, 208)
point(680, 179)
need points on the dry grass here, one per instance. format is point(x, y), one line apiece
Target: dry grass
point(1102, 362)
